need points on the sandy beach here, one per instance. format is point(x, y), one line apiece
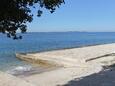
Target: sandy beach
point(74, 65)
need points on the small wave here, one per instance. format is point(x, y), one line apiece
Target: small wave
point(20, 70)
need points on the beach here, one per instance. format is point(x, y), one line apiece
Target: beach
point(73, 47)
point(72, 65)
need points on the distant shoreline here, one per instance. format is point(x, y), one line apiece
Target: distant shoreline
point(73, 32)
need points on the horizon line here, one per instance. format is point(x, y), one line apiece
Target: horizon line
point(66, 31)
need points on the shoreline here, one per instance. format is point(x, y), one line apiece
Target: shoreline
point(50, 64)
point(25, 71)
point(72, 64)
point(67, 48)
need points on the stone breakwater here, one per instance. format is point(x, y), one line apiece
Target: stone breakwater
point(68, 57)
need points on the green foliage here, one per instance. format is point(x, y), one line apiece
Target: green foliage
point(14, 14)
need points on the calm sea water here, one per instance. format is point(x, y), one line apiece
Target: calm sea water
point(36, 42)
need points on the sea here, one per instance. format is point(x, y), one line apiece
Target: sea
point(33, 42)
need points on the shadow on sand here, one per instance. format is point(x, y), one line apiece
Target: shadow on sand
point(103, 78)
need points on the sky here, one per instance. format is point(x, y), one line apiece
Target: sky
point(77, 15)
